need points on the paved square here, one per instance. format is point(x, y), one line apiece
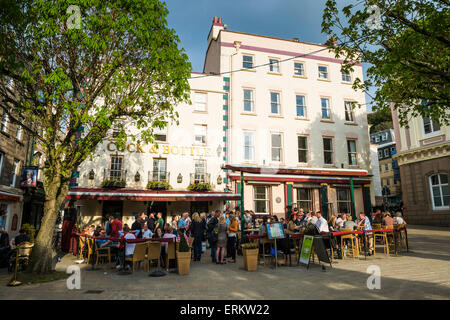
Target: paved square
point(423, 273)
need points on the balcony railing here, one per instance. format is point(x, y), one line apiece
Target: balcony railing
point(200, 178)
point(114, 178)
point(162, 176)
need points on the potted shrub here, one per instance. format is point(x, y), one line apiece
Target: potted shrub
point(114, 183)
point(200, 186)
point(183, 256)
point(250, 254)
point(158, 185)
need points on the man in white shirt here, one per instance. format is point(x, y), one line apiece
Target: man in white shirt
point(313, 218)
point(146, 232)
point(340, 221)
point(129, 247)
point(321, 224)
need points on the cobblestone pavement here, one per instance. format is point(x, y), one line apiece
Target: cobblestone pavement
point(423, 273)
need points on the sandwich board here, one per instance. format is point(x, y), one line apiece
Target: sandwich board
point(310, 242)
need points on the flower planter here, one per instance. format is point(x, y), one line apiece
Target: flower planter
point(183, 262)
point(250, 259)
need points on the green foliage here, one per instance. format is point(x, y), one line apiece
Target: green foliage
point(184, 247)
point(380, 121)
point(113, 183)
point(250, 245)
point(158, 185)
point(201, 186)
point(123, 63)
point(407, 51)
point(30, 231)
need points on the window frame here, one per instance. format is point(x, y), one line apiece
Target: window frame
point(310, 201)
point(332, 150)
point(4, 122)
point(244, 62)
point(196, 94)
point(439, 185)
point(433, 132)
point(266, 199)
point(251, 147)
point(252, 90)
point(305, 114)
point(347, 202)
point(303, 150)
point(355, 153)
point(15, 173)
point(277, 64)
point(303, 69)
point(351, 112)
point(327, 72)
point(121, 170)
point(205, 136)
point(280, 148)
point(159, 171)
point(330, 118)
point(346, 74)
point(278, 103)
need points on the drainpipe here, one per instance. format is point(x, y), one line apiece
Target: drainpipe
point(353, 199)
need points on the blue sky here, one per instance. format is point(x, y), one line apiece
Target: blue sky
point(278, 18)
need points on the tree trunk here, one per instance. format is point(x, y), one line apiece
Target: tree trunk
point(42, 253)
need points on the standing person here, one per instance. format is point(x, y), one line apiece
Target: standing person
point(221, 240)
point(212, 237)
point(108, 225)
point(160, 221)
point(364, 221)
point(175, 224)
point(232, 233)
point(182, 224)
point(188, 224)
point(137, 226)
point(151, 222)
point(116, 226)
point(321, 224)
point(197, 232)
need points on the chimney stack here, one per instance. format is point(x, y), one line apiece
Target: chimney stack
point(217, 25)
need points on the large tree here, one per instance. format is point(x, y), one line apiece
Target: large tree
point(120, 61)
point(407, 45)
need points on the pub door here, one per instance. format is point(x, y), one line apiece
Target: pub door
point(112, 208)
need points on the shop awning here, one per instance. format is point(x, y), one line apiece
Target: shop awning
point(6, 196)
point(148, 195)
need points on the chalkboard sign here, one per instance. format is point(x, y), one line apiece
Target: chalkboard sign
point(320, 250)
point(305, 253)
point(275, 230)
point(316, 242)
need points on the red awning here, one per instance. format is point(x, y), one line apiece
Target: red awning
point(148, 195)
point(6, 196)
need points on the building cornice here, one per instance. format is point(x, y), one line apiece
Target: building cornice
point(423, 153)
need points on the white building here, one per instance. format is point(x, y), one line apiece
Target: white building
point(288, 124)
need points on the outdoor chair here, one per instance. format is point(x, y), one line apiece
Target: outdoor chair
point(390, 237)
point(265, 242)
point(138, 255)
point(23, 252)
point(384, 241)
point(170, 254)
point(81, 244)
point(102, 253)
point(90, 249)
point(353, 243)
point(402, 235)
point(154, 252)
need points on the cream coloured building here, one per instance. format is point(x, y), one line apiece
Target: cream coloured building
point(182, 154)
point(424, 160)
point(289, 124)
point(277, 110)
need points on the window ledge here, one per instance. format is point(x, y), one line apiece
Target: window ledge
point(303, 164)
point(248, 114)
point(275, 116)
point(326, 121)
point(204, 112)
point(350, 123)
point(348, 83)
point(5, 134)
point(299, 77)
point(300, 118)
point(353, 167)
point(326, 80)
point(249, 70)
point(275, 73)
point(329, 166)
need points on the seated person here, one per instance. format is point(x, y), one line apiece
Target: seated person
point(387, 220)
point(168, 233)
point(321, 224)
point(349, 224)
point(332, 226)
point(21, 237)
point(399, 219)
point(158, 233)
point(340, 220)
point(129, 247)
point(146, 232)
point(313, 218)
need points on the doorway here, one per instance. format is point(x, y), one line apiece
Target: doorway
point(158, 206)
point(199, 206)
point(114, 208)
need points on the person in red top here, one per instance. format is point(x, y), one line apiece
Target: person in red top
point(116, 226)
